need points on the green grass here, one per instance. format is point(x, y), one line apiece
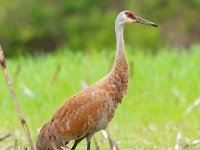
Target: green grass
point(161, 88)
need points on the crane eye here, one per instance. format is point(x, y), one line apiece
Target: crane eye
point(130, 15)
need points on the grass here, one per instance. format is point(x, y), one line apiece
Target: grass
point(161, 88)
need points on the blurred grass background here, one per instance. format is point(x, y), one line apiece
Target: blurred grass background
point(41, 38)
point(162, 87)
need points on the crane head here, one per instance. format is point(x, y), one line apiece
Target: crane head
point(128, 17)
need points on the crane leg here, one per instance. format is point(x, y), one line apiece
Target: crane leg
point(88, 145)
point(88, 138)
point(76, 143)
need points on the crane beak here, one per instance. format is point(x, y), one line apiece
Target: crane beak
point(143, 21)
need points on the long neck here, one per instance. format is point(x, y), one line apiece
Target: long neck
point(120, 52)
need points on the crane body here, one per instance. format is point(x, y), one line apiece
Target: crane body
point(91, 110)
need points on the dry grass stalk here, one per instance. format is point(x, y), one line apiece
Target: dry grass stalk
point(27, 90)
point(178, 94)
point(116, 147)
point(192, 144)
point(11, 146)
point(14, 98)
point(193, 105)
point(16, 74)
point(113, 145)
point(56, 73)
point(195, 142)
point(96, 143)
point(131, 69)
point(178, 141)
point(8, 147)
point(15, 145)
point(5, 136)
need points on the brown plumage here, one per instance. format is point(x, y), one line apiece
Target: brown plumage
point(92, 109)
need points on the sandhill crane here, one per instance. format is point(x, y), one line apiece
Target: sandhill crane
point(91, 110)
